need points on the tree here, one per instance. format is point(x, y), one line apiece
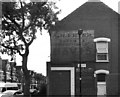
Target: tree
point(20, 21)
point(41, 84)
point(40, 78)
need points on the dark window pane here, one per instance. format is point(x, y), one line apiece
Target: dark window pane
point(101, 56)
point(101, 77)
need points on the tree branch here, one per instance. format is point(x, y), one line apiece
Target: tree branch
point(32, 39)
point(12, 20)
point(11, 26)
point(23, 19)
point(26, 28)
point(12, 48)
point(21, 36)
point(31, 24)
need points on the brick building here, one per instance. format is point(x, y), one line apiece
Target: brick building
point(1, 71)
point(99, 56)
point(9, 71)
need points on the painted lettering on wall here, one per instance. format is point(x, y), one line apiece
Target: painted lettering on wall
point(65, 45)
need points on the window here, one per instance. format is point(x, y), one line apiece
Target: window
point(101, 77)
point(102, 54)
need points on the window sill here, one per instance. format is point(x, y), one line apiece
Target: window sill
point(102, 61)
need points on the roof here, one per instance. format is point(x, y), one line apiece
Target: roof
point(88, 9)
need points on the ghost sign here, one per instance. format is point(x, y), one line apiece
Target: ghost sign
point(65, 46)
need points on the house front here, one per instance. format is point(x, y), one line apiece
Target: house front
point(85, 64)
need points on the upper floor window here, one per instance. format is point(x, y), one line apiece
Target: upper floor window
point(102, 54)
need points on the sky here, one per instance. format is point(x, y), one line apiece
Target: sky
point(40, 49)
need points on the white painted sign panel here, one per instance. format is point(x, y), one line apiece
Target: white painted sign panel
point(83, 65)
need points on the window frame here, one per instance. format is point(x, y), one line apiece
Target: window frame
point(107, 58)
point(102, 40)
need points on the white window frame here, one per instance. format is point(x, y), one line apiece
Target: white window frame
point(97, 60)
point(104, 40)
point(72, 78)
point(101, 71)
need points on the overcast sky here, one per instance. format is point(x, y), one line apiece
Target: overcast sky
point(40, 49)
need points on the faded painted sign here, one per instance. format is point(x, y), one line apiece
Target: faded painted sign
point(65, 46)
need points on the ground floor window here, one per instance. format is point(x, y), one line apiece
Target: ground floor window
point(101, 77)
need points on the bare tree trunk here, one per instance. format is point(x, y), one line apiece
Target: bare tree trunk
point(26, 76)
point(27, 85)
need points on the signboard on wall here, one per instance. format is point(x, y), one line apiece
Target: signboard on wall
point(65, 46)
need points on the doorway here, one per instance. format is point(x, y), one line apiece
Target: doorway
point(101, 82)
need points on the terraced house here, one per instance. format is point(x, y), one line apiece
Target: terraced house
point(85, 62)
point(8, 71)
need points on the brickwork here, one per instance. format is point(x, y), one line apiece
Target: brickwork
point(104, 22)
